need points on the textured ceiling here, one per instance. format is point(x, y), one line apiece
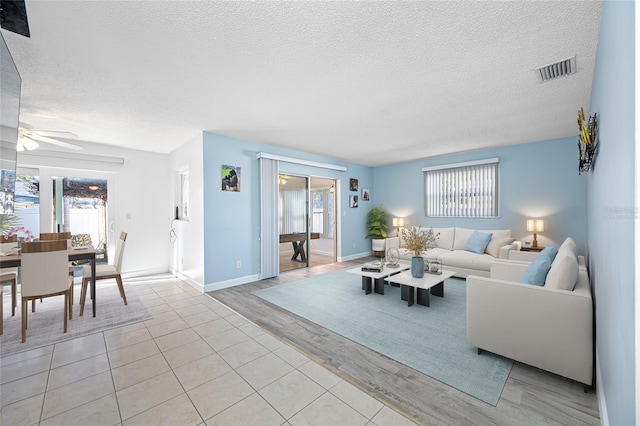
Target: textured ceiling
point(369, 82)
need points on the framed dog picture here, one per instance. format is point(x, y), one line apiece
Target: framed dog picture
point(365, 194)
point(353, 184)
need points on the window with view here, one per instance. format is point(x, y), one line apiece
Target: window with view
point(462, 190)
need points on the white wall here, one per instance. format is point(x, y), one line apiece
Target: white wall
point(139, 193)
point(187, 251)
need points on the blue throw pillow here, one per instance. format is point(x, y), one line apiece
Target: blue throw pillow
point(477, 242)
point(536, 273)
point(548, 252)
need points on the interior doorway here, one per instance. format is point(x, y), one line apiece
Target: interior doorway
point(306, 221)
point(79, 206)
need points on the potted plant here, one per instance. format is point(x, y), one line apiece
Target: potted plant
point(418, 241)
point(377, 219)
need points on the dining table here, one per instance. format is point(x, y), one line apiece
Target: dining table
point(75, 253)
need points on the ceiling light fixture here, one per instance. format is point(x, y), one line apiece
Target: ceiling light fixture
point(27, 143)
point(94, 187)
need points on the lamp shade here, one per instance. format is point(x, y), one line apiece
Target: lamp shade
point(535, 225)
point(398, 221)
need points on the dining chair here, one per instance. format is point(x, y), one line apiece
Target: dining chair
point(52, 236)
point(45, 273)
point(10, 275)
point(104, 272)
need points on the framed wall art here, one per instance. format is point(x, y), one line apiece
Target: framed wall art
point(353, 184)
point(230, 178)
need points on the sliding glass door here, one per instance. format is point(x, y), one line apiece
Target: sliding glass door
point(293, 209)
point(322, 246)
point(79, 206)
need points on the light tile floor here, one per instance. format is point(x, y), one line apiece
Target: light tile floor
point(196, 362)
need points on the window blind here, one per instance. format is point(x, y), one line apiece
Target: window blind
point(462, 190)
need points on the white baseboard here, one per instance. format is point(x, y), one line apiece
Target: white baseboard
point(324, 253)
point(188, 280)
point(602, 403)
point(354, 256)
point(230, 283)
point(142, 273)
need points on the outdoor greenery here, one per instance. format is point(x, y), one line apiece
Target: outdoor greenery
point(377, 219)
point(8, 221)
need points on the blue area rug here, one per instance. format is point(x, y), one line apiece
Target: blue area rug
point(431, 339)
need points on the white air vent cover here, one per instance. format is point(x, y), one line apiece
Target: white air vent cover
point(559, 69)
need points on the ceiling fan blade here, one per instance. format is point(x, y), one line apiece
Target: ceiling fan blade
point(56, 134)
point(54, 142)
point(13, 17)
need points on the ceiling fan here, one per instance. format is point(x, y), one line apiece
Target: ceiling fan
point(29, 138)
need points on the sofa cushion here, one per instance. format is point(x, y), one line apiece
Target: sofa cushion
point(467, 260)
point(477, 242)
point(563, 274)
point(431, 254)
point(496, 243)
point(435, 253)
point(461, 237)
point(445, 239)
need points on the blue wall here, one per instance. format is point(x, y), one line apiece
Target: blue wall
point(537, 180)
point(232, 219)
point(612, 211)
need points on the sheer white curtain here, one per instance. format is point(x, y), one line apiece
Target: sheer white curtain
point(269, 230)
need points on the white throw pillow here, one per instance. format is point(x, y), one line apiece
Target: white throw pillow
point(567, 246)
point(563, 274)
point(493, 248)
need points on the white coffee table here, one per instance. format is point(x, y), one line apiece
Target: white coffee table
point(429, 283)
point(377, 278)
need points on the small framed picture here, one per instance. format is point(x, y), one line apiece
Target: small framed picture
point(230, 178)
point(365, 194)
point(527, 244)
point(353, 184)
point(353, 201)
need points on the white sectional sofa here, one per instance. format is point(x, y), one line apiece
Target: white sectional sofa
point(450, 250)
point(544, 326)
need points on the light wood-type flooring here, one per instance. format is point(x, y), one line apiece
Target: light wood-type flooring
point(531, 396)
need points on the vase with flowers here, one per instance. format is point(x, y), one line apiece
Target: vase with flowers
point(418, 240)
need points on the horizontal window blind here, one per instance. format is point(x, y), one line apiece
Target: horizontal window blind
point(462, 191)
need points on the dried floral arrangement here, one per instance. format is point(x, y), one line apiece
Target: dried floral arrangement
point(419, 240)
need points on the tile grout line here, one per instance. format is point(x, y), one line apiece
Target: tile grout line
point(113, 382)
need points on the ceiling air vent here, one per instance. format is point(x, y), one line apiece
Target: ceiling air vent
point(557, 70)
